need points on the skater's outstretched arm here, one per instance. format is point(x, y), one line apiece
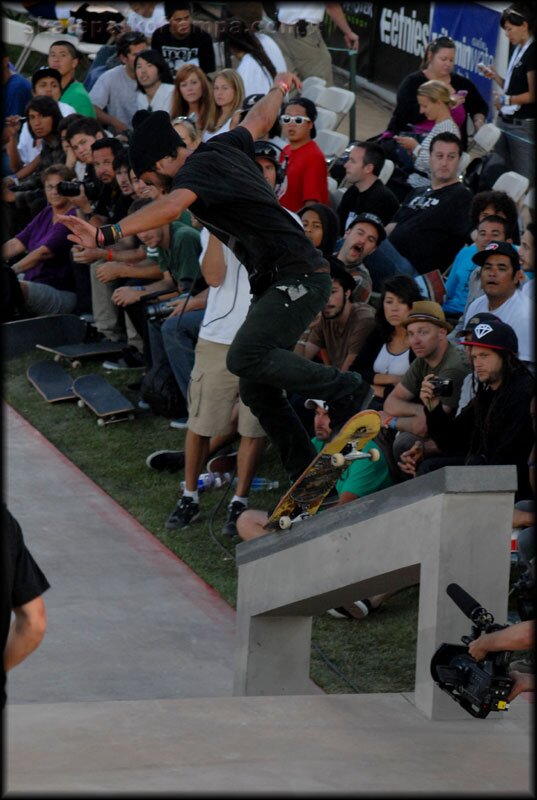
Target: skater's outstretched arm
point(262, 116)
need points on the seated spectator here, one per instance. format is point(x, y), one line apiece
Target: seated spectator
point(255, 67)
point(437, 65)
point(366, 192)
point(44, 116)
point(272, 135)
point(320, 225)
point(154, 81)
point(44, 270)
point(501, 278)
point(495, 427)
point(146, 17)
point(181, 42)
point(17, 90)
point(489, 202)
point(435, 104)
point(307, 176)
point(70, 158)
point(343, 325)
point(432, 223)
point(64, 57)
point(361, 478)
point(193, 96)
point(526, 254)
point(121, 167)
point(114, 94)
point(228, 91)
point(427, 332)
point(188, 131)
point(386, 355)
point(362, 237)
point(489, 229)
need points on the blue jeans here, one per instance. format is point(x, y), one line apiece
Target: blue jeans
point(385, 262)
point(174, 341)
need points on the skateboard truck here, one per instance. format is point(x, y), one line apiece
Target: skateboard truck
point(339, 459)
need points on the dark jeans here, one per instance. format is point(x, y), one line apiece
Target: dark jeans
point(262, 356)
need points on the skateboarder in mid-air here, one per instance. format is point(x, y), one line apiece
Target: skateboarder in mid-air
point(290, 280)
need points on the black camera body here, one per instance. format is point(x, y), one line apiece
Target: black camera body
point(159, 310)
point(479, 687)
point(443, 387)
point(72, 189)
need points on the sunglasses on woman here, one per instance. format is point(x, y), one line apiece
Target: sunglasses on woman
point(285, 119)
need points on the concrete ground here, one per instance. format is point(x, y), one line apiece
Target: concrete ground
point(131, 688)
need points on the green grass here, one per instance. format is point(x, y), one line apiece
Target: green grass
point(376, 654)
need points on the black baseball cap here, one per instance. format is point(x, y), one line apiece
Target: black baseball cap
point(46, 72)
point(366, 216)
point(264, 149)
point(495, 334)
point(477, 319)
point(498, 248)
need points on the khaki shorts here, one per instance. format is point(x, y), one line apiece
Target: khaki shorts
point(212, 393)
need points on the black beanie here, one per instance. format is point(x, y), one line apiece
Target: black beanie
point(153, 138)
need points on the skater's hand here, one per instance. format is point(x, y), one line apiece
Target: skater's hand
point(289, 78)
point(83, 233)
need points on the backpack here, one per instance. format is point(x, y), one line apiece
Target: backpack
point(159, 388)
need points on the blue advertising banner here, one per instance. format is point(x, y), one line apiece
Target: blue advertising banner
point(474, 29)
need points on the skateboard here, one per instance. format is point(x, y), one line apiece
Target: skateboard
point(74, 353)
point(306, 495)
point(22, 335)
point(103, 399)
point(51, 381)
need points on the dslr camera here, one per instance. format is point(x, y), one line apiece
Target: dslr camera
point(159, 310)
point(72, 189)
point(442, 387)
point(479, 687)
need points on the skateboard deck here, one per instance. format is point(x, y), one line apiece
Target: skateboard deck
point(22, 335)
point(75, 353)
point(51, 381)
point(103, 399)
point(308, 492)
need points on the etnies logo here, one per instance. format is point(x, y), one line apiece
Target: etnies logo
point(482, 330)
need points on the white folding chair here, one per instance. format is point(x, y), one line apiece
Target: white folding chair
point(312, 80)
point(463, 163)
point(334, 98)
point(332, 184)
point(514, 184)
point(42, 41)
point(484, 140)
point(326, 120)
point(18, 34)
point(312, 92)
point(387, 170)
point(332, 143)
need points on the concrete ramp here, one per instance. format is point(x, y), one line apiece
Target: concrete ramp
point(377, 743)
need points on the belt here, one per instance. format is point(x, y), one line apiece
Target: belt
point(284, 28)
point(511, 121)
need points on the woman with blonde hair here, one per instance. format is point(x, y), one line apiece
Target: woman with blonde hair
point(193, 96)
point(228, 93)
point(435, 103)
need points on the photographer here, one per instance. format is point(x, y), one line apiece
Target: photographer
point(520, 636)
point(495, 427)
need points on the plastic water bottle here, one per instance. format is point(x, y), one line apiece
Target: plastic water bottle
point(263, 484)
point(210, 480)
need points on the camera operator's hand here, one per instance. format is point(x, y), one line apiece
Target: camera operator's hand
point(519, 636)
point(411, 458)
point(86, 255)
point(126, 296)
point(106, 273)
point(81, 201)
point(524, 682)
point(427, 395)
point(178, 307)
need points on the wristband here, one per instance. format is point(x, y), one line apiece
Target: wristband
point(388, 420)
point(283, 86)
point(138, 288)
point(392, 423)
point(109, 255)
point(108, 235)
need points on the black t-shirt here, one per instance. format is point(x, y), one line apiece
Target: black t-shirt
point(376, 200)
point(238, 206)
point(518, 83)
point(432, 226)
point(196, 48)
point(112, 203)
point(22, 580)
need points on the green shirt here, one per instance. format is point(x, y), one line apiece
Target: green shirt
point(76, 95)
point(362, 476)
point(453, 366)
point(182, 257)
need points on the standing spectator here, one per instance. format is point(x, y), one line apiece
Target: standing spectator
point(146, 18)
point(154, 82)
point(228, 92)
point(114, 93)
point(300, 39)
point(437, 65)
point(307, 176)
point(22, 586)
point(366, 192)
point(64, 57)
point(526, 255)
point(255, 66)
point(181, 42)
point(193, 96)
point(46, 278)
point(516, 104)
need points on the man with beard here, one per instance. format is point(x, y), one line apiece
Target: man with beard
point(342, 327)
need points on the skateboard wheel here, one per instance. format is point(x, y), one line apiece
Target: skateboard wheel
point(101, 423)
point(80, 403)
point(374, 453)
point(337, 460)
point(285, 523)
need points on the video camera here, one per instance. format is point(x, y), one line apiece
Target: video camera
point(478, 687)
point(72, 189)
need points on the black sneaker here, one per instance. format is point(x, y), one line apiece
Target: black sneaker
point(185, 512)
point(346, 407)
point(166, 460)
point(235, 509)
point(130, 359)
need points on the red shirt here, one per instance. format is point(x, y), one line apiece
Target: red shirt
point(307, 176)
